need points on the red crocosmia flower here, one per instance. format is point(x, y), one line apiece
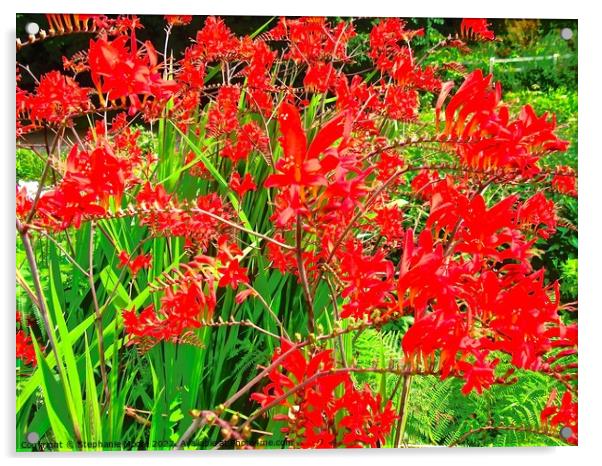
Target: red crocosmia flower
point(476, 29)
point(223, 116)
point(479, 375)
point(368, 281)
point(90, 179)
point(565, 181)
point(319, 77)
point(498, 142)
point(282, 259)
point(143, 261)
point(242, 186)
point(57, 98)
point(24, 202)
point(388, 48)
point(249, 137)
point(565, 415)
point(178, 20)
point(389, 219)
point(313, 39)
point(233, 274)
point(328, 411)
point(539, 215)
point(216, 41)
point(25, 350)
point(300, 167)
point(356, 97)
point(367, 422)
point(121, 73)
point(401, 104)
point(182, 308)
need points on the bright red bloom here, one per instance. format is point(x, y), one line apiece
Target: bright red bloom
point(474, 114)
point(25, 350)
point(215, 41)
point(368, 281)
point(562, 416)
point(223, 116)
point(142, 261)
point(401, 104)
point(300, 166)
point(249, 137)
point(313, 39)
point(91, 178)
point(162, 214)
point(121, 73)
point(317, 416)
point(319, 77)
point(241, 187)
point(57, 98)
point(565, 181)
point(184, 304)
point(233, 274)
point(539, 215)
point(477, 29)
point(386, 49)
point(178, 20)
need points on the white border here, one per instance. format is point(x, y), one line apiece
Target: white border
point(590, 200)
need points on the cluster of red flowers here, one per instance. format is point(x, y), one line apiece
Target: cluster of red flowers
point(121, 72)
point(165, 217)
point(340, 193)
point(189, 298)
point(325, 409)
point(487, 138)
point(90, 179)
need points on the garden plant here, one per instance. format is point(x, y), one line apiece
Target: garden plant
point(257, 243)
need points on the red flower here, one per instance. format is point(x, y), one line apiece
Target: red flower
point(474, 114)
point(478, 29)
point(57, 98)
point(183, 305)
point(562, 416)
point(223, 116)
point(565, 181)
point(319, 77)
point(300, 166)
point(178, 20)
point(25, 350)
point(401, 104)
point(232, 274)
point(318, 416)
point(249, 137)
point(241, 187)
point(91, 178)
point(122, 73)
point(215, 41)
point(143, 261)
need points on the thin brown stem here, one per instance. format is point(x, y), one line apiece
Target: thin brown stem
point(303, 276)
point(403, 410)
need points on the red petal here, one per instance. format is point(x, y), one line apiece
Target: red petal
point(294, 142)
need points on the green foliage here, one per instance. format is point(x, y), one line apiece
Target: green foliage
point(28, 166)
point(568, 279)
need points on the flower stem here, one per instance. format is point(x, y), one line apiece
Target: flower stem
point(403, 410)
point(303, 276)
